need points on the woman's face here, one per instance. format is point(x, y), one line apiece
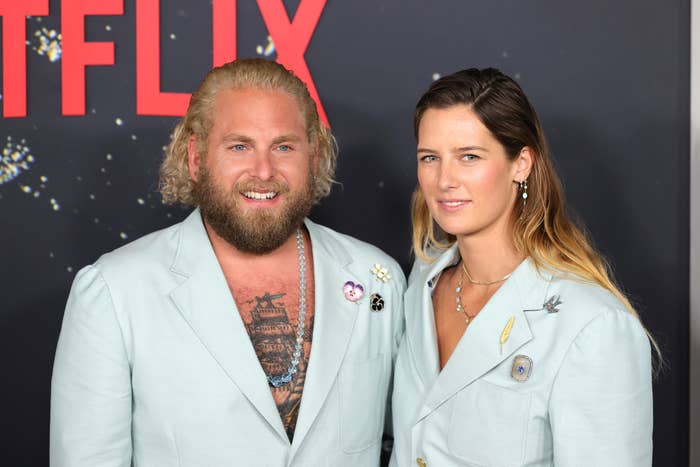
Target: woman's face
point(467, 180)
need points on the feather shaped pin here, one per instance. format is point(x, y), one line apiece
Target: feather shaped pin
point(505, 334)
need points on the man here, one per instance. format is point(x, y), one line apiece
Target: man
point(247, 334)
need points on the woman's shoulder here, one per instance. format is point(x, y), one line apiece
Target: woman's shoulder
point(586, 305)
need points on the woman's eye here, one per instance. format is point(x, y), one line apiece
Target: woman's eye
point(470, 157)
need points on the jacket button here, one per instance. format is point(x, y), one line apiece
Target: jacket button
point(420, 462)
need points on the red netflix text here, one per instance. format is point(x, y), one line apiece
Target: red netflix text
point(291, 38)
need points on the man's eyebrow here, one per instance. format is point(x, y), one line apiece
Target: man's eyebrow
point(236, 137)
point(290, 137)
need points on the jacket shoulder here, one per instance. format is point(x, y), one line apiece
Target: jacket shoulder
point(590, 313)
point(358, 250)
point(156, 249)
point(585, 299)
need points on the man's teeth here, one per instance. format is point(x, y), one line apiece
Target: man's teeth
point(259, 196)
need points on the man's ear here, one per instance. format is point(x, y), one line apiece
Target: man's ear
point(194, 159)
point(523, 164)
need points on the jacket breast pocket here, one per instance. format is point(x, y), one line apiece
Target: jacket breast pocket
point(489, 425)
point(362, 393)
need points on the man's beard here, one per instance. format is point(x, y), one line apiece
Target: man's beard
point(256, 231)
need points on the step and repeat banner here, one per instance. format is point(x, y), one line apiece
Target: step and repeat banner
point(91, 90)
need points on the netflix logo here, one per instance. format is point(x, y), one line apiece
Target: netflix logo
point(291, 39)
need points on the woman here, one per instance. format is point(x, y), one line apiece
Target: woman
point(519, 348)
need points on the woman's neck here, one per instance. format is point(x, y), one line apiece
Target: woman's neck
point(488, 258)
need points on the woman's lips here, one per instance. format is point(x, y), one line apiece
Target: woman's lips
point(453, 204)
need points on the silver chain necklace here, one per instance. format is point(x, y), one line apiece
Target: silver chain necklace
point(286, 377)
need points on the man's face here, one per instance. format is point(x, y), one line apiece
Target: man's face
point(254, 186)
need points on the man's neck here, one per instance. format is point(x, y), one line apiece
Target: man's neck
point(231, 257)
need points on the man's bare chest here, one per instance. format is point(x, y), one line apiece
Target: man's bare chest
point(280, 327)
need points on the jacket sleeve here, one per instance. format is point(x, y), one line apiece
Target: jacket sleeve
point(91, 384)
point(601, 401)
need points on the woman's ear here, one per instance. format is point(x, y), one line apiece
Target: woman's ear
point(523, 164)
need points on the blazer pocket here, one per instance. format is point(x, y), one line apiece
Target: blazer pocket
point(489, 425)
point(362, 396)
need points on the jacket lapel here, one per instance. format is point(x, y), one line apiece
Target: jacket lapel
point(480, 348)
point(334, 320)
point(420, 320)
point(205, 302)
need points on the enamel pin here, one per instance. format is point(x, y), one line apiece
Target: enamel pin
point(522, 367)
point(552, 304)
point(376, 302)
point(352, 291)
point(380, 273)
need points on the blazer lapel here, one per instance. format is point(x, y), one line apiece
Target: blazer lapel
point(420, 325)
point(205, 302)
point(485, 344)
point(334, 320)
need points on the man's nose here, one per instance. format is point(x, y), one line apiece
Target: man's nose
point(263, 167)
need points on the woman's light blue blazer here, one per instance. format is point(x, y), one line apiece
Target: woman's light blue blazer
point(569, 385)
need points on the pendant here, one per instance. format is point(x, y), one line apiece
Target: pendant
point(279, 380)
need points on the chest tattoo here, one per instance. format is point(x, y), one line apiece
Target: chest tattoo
point(273, 330)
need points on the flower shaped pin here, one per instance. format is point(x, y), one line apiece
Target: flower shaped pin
point(381, 273)
point(352, 291)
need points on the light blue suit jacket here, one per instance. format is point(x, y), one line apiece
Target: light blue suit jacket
point(154, 367)
point(587, 401)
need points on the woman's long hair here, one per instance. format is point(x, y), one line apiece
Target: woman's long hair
point(542, 228)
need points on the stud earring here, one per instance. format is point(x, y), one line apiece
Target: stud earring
point(522, 186)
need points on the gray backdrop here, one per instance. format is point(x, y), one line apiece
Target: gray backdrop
point(610, 81)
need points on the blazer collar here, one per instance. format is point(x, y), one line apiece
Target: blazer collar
point(480, 349)
point(205, 302)
point(334, 320)
point(420, 322)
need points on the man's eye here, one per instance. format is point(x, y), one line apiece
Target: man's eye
point(470, 157)
point(238, 147)
point(429, 158)
point(284, 147)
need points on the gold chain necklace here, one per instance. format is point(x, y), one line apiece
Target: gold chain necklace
point(458, 290)
point(460, 307)
point(464, 268)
